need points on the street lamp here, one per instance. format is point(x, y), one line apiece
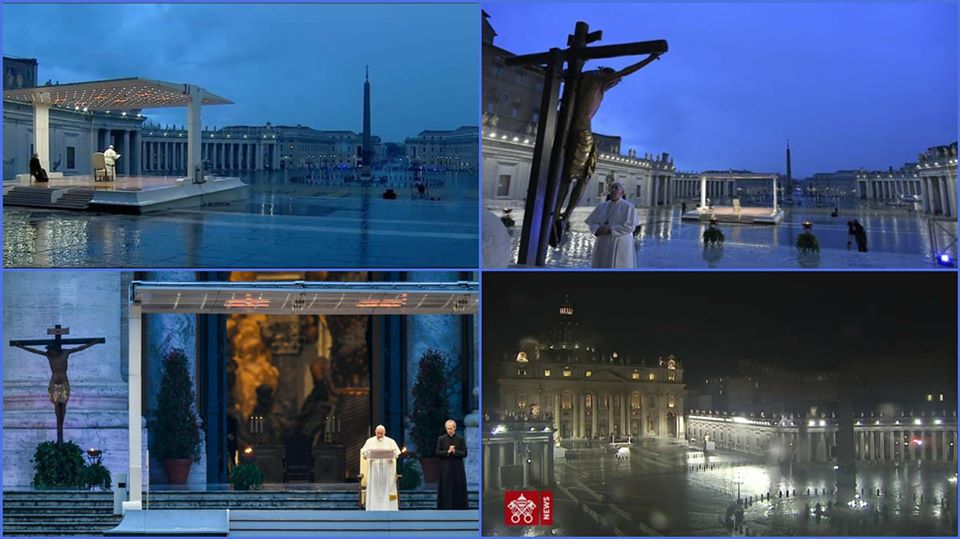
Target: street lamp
point(738, 480)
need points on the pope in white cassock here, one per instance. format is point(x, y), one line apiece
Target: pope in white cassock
point(613, 222)
point(381, 473)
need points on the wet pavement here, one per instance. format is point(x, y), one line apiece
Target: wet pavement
point(649, 494)
point(280, 225)
point(895, 239)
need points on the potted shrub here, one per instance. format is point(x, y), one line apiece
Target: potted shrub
point(807, 242)
point(246, 476)
point(507, 219)
point(808, 248)
point(175, 434)
point(58, 465)
point(95, 474)
point(429, 411)
point(409, 474)
point(712, 236)
point(712, 244)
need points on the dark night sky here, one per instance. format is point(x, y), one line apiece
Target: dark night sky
point(283, 63)
point(868, 84)
point(710, 321)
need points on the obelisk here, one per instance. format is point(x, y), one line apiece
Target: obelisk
point(366, 153)
point(789, 186)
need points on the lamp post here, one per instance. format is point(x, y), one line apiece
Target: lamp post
point(738, 480)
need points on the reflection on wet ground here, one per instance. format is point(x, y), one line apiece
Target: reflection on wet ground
point(280, 224)
point(599, 495)
point(895, 239)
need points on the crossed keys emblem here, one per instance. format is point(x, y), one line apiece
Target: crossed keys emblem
point(521, 509)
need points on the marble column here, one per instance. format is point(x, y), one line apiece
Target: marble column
point(609, 414)
point(593, 415)
point(581, 398)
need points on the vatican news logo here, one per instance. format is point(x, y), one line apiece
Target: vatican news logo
point(528, 508)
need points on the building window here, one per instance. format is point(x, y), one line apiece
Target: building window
point(635, 401)
point(941, 397)
point(671, 402)
point(588, 399)
point(566, 401)
point(521, 401)
point(588, 374)
point(503, 186)
point(651, 376)
point(567, 372)
point(635, 375)
point(600, 186)
point(546, 373)
point(71, 158)
point(929, 397)
point(671, 376)
point(522, 371)
point(638, 191)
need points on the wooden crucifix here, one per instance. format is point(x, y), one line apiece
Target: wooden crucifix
point(565, 150)
point(57, 355)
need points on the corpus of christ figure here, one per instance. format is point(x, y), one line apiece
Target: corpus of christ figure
point(57, 356)
point(581, 156)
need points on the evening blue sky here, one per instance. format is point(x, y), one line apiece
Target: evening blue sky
point(849, 84)
point(286, 64)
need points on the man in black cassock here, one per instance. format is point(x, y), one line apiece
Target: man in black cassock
point(451, 450)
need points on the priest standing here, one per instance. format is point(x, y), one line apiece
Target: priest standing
point(613, 223)
point(452, 488)
point(381, 473)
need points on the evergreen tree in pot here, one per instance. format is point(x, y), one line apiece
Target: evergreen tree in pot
point(430, 411)
point(175, 434)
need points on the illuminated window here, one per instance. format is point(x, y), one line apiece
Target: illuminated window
point(566, 401)
point(635, 375)
point(567, 372)
point(635, 401)
point(929, 397)
point(588, 374)
point(651, 376)
point(546, 372)
point(671, 376)
point(941, 397)
point(589, 400)
point(522, 371)
point(671, 401)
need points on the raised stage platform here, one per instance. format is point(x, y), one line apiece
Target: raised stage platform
point(291, 509)
point(730, 214)
point(126, 194)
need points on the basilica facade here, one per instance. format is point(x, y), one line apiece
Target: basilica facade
point(585, 394)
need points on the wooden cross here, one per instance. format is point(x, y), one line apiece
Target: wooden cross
point(58, 332)
point(553, 128)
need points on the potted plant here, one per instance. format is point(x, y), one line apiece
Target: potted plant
point(807, 242)
point(713, 236)
point(246, 476)
point(58, 465)
point(429, 411)
point(808, 247)
point(175, 434)
point(712, 244)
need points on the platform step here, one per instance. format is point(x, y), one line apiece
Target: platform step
point(41, 197)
